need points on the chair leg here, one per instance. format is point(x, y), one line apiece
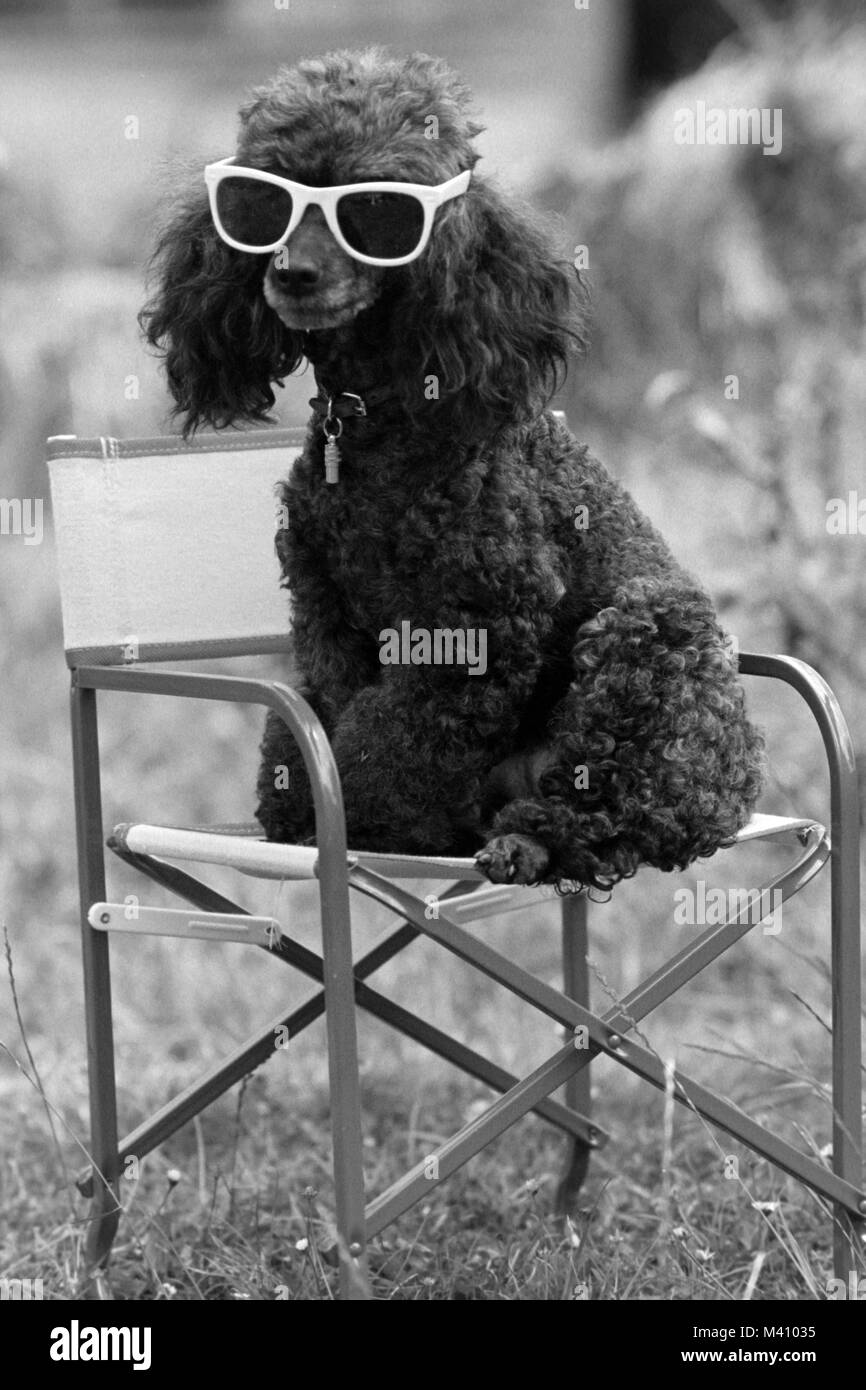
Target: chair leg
point(577, 1088)
point(849, 1234)
point(845, 956)
point(345, 1089)
point(105, 1207)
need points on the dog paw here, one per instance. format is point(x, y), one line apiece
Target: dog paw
point(513, 859)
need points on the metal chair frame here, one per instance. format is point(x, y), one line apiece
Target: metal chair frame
point(344, 982)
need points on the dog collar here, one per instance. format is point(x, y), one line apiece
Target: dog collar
point(336, 406)
point(347, 405)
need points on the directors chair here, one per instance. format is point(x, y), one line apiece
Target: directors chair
point(166, 553)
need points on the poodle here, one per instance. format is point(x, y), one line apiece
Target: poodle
point(504, 654)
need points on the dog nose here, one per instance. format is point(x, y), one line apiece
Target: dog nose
point(298, 276)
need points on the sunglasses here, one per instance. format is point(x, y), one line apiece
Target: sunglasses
point(377, 223)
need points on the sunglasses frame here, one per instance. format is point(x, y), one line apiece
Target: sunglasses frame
point(429, 196)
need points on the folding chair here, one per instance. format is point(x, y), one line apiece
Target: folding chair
point(134, 521)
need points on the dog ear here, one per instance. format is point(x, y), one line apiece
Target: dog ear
point(494, 316)
point(222, 345)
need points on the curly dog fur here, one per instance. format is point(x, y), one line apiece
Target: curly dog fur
point(609, 728)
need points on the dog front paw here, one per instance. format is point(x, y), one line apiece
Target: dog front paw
point(513, 859)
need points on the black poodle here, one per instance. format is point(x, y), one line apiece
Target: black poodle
point(502, 650)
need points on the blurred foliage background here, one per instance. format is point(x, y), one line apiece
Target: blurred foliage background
point(705, 263)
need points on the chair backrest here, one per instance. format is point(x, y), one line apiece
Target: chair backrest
point(166, 546)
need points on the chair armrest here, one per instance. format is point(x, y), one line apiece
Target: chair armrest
point(822, 702)
point(302, 721)
point(844, 789)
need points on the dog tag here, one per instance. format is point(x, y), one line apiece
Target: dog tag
point(332, 460)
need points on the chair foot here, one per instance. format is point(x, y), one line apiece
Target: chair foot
point(104, 1220)
point(573, 1177)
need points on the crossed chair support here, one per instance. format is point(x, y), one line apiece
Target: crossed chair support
point(343, 982)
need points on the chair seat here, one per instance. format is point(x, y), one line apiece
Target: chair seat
point(243, 847)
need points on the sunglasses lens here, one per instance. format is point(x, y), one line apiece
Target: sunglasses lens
point(253, 212)
point(385, 225)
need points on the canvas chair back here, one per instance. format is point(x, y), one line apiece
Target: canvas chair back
point(165, 546)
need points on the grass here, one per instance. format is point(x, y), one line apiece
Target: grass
point(238, 1211)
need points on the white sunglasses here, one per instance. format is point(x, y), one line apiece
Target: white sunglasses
point(377, 223)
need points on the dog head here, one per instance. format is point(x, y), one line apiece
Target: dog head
point(350, 118)
point(486, 309)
